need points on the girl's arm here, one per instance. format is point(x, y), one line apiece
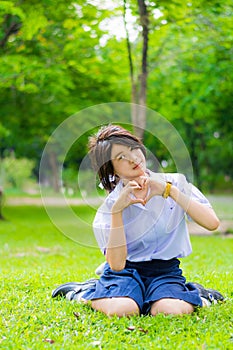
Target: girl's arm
point(200, 213)
point(116, 252)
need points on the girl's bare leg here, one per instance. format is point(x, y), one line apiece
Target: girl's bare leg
point(120, 306)
point(169, 306)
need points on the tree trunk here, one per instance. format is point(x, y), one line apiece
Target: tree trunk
point(54, 167)
point(192, 136)
point(1, 204)
point(134, 98)
point(139, 85)
point(144, 20)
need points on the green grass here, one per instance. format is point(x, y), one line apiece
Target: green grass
point(35, 258)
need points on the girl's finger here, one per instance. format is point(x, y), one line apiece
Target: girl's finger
point(135, 185)
point(138, 200)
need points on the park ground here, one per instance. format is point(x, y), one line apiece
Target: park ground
point(223, 204)
point(36, 257)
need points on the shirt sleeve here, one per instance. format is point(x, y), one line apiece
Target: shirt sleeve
point(180, 181)
point(198, 196)
point(102, 224)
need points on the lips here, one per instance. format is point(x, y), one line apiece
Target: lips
point(136, 166)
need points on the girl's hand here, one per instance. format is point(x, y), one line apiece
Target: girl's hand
point(150, 187)
point(156, 187)
point(133, 192)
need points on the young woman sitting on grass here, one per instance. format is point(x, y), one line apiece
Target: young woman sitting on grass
point(141, 230)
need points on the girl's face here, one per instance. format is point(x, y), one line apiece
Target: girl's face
point(128, 163)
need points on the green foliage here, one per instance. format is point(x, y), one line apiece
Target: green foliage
point(16, 173)
point(35, 258)
point(51, 67)
point(3, 131)
point(57, 58)
point(69, 179)
point(190, 77)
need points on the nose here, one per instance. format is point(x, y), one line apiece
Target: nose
point(133, 158)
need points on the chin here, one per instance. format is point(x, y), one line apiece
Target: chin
point(139, 173)
point(142, 171)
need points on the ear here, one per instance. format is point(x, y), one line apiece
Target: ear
point(112, 178)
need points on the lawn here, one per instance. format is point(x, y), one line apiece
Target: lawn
point(36, 257)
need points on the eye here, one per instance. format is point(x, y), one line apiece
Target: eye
point(122, 156)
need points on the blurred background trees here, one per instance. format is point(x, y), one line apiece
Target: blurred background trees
point(58, 57)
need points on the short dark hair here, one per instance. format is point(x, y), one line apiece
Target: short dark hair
point(100, 147)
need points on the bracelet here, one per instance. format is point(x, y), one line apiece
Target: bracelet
point(167, 190)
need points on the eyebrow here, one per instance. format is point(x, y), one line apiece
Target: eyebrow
point(123, 151)
point(118, 154)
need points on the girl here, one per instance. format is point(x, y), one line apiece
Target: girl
point(141, 230)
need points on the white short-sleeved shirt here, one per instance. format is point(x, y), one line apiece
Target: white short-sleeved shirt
point(157, 230)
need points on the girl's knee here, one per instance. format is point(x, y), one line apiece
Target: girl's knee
point(116, 306)
point(171, 307)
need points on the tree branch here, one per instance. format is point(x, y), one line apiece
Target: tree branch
point(13, 28)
